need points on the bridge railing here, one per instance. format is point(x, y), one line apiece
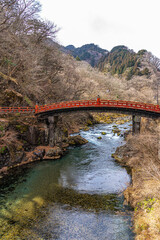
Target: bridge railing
point(83, 103)
point(102, 103)
point(17, 110)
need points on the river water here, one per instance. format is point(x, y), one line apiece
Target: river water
point(75, 198)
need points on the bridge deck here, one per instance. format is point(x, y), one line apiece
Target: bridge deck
point(114, 105)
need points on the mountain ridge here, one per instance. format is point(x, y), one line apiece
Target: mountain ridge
point(120, 60)
point(90, 53)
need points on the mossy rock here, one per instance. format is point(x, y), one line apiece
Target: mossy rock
point(99, 137)
point(116, 130)
point(71, 142)
point(103, 133)
point(86, 128)
point(77, 140)
point(116, 157)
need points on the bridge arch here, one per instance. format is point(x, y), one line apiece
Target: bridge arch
point(135, 109)
point(127, 107)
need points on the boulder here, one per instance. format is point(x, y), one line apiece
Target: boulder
point(76, 140)
point(53, 152)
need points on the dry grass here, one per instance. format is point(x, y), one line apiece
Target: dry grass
point(147, 158)
point(142, 154)
point(10, 138)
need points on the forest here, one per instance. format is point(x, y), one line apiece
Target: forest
point(32, 67)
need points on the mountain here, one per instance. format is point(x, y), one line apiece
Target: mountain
point(122, 60)
point(89, 52)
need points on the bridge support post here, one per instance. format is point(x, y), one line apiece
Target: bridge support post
point(52, 126)
point(136, 124)
point(54, 132)
point(46, 130)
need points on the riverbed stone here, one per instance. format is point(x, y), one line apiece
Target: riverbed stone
point(76, 140)
point(99, 137)
point(103, 133)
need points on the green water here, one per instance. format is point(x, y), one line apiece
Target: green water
point(76, 197)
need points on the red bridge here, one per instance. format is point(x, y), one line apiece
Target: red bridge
point(128, 107)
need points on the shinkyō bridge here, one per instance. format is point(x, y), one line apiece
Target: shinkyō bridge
point(127, 107)
point(49, 112)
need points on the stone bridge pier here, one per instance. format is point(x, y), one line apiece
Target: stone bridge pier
point(136, 124)
point(53, 132)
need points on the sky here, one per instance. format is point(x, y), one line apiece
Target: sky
point(106, 23)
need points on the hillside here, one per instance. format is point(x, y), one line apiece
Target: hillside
point(123, 61)
point(33, 69)
point(90, 53)
point(139, 88)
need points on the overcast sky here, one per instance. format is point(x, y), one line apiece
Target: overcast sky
point(107, 23)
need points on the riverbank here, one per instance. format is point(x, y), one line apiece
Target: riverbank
point(141, 154)
point(23, 138)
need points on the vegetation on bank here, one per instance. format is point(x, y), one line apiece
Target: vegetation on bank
point(141, 154)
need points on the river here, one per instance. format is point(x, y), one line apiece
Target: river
point(75, 198)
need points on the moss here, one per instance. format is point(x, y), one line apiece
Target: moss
point(65, 131)
point(146, 204)
point(22, 128)
point(86, 128)
point(18, 114)
point(3, 149)
point(30, 103)
point(89, 123)
point(1, 128)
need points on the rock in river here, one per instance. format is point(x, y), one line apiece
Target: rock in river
point(76, 140)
